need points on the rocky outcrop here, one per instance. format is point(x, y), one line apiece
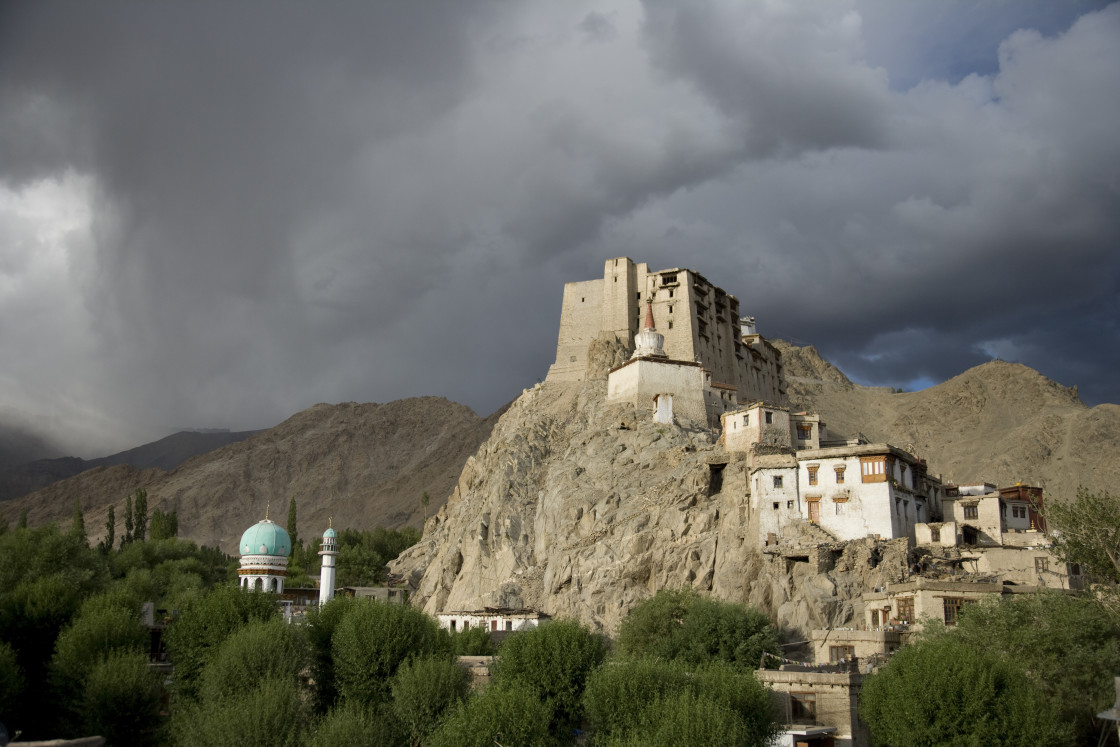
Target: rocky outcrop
point(582, 508)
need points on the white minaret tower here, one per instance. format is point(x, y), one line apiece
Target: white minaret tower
point(329, 550)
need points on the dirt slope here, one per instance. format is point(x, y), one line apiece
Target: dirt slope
point(363, 464)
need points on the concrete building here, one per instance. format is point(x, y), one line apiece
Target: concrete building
point(846, 644)
point(492, 619)
point(699, 321)
point(819, 708)
point(265, 548)
point(908, 602)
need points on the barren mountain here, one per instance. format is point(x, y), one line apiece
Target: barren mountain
point(166, 454)
point(999, 422)
point(363, 464)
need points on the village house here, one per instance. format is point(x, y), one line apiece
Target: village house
point(909, 602)
point(818, 708)
point(492, 619)
point(835, 645)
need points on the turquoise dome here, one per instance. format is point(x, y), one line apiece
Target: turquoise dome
point(330, 533)
point(266, 538)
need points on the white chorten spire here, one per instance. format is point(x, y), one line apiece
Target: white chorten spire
point(649, 342)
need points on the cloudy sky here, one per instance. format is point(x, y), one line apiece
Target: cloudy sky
point(217, 214)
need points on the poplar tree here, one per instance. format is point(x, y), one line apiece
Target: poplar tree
point(22, 523)
point(110, 529)
point(140, 520)
point(292, 533)
point(127, 538)
point(78, 522)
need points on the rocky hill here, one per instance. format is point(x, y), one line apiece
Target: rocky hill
point(363, 464)
point(581, 508)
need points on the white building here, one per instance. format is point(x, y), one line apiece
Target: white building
point(492, 619)
point(265, 548)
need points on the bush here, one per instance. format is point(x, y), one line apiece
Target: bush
point(204, 624)
point(11, 682)
point(371, 642)
point(552, 661)
point(684, 720)
point(423, 689)
point(121, 701)
point(260, 650)
point(696, 629)
point(319, 629)
point(941, 691)
point(623, 698)
point(268, 715)
point(506, 715)
point(355, 725)
point(472, 642)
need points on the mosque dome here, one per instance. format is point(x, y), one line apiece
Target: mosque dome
point(266, 538)
point(330, 533)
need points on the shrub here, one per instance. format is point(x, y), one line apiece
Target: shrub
point(552, 661)
point(355, 725)
point(371, 642)
point(506, 715)
point(696, 629)
point(260, 650)
point(423, 689)
point(121, 701)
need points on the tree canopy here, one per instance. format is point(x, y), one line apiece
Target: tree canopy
point(1086, 531)
point(697, 629)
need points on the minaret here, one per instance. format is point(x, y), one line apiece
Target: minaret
point(329, 550)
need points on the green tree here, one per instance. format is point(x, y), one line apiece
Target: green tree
point(471, 642)
point(1087, 531)
point(696, 629)
point(623, 699)
point(101, 628)
point(21, 523)
point(425, 500)
point(78, 523)
point(164, 525)
point(423, 689)
point(373, 640)
point(941, 691)
point(110, 531)
point(204, 624)
point(553, 662)
point(1067, 644)
point(140, 518)
point(259, 650)
point(686, 720)
point(500, 714)
point(319, 628)
point(356, 725)
point(269, 714)
point(129, 523)
point(293, 530)
point(11, 683)
point(121, 699)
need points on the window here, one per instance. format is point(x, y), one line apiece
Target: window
point(874, 618)
point(670, 306)
point(670, 293)
point(777, 481)
point(803, 708)
point(840, 507)
point(813, 475)
point(769, 418)
point(466, 624)
point(1019, 512)
point(775, 504)
point(971, 512)
point(666, 279)
point(747, 419)
point(905, 609)
point(670, 324)
point(841, 653)
point(953, 608)
point(789, 504)
point(1041, 565)
point(1074, 569)
point(453, 625)
point(804, 431)
point(509, 624)
point(935, 534)
point(638, 295)
point(839, 475)
point(874, 469)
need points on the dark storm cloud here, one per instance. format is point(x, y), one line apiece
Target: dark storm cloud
point(219, 214)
